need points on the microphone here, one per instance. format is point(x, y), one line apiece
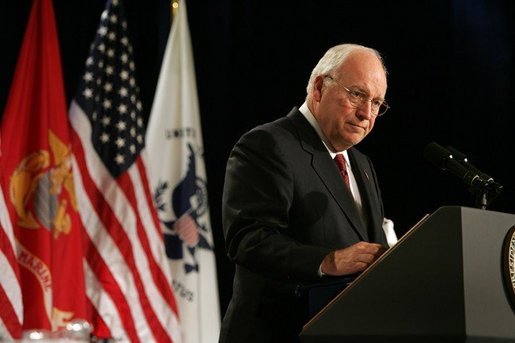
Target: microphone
point(461, 158)
point(445, 160)
point(480, 184)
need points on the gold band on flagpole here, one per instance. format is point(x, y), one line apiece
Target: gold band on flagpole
point(174, 7)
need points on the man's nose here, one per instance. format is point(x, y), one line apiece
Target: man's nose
point(364, 111)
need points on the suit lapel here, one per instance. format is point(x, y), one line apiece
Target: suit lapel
point(363, 176)
point(331, 177)
point(328, 172)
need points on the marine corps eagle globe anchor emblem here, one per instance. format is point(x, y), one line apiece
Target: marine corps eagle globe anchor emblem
point(41, 189)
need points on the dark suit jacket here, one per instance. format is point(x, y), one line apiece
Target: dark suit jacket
point(285, 206)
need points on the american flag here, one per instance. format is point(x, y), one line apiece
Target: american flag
point(127, 277)
point(11, 315)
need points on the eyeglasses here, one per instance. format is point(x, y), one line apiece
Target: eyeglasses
point(358, 98)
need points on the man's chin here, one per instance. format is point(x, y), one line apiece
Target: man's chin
point(351, 141)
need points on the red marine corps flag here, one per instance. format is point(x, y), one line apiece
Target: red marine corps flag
point(37, 185)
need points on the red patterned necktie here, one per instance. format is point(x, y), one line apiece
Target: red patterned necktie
point(342, 166)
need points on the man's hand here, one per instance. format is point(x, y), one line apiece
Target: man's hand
point(353, 259)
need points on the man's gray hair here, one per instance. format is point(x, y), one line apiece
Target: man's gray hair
point(333, 59)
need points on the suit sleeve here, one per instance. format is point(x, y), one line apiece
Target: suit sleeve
point(258, 193)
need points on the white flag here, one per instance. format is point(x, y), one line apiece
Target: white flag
point(178, 178)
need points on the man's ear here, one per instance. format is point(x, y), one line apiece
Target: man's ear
point(318, 87)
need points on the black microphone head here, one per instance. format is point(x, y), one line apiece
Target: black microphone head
point(437, 154)
point(457, 155)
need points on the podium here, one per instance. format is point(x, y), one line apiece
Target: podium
point(442, 282)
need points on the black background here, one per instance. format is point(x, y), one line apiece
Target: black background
point(451, 80)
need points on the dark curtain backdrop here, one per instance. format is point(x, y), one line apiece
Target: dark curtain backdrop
point(451, 80)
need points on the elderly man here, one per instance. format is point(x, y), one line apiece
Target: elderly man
point(300, 202)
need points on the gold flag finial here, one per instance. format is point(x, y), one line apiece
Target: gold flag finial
point(175, 7)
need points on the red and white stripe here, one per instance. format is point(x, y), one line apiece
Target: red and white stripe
point(127, 275)
point(11, 305)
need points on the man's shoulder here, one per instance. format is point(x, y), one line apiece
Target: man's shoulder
point(280, 127)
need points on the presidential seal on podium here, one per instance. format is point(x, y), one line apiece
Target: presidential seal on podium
point(509, 265)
